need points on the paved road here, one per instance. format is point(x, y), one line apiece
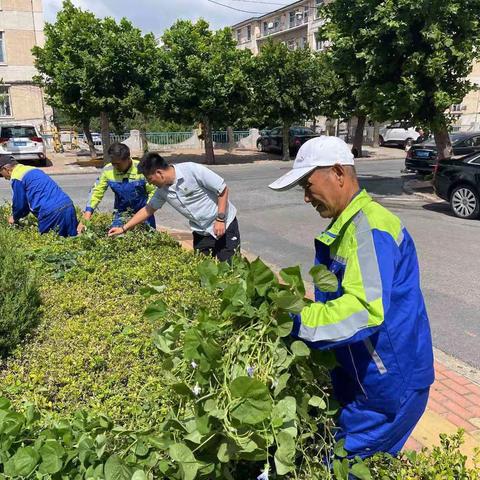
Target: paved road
point(280, 228)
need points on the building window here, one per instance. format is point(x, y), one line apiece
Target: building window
point(318, 7)
point(2, 48)
point(320, 44)
point(291, 44)
point(292, 19)
point(249, 32)
point(305, 13)
point(239, 35)
point(265, 28)
point(5, 109)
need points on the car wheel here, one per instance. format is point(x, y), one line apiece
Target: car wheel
point(42, 162)
point(465, 202)
point(260, 145)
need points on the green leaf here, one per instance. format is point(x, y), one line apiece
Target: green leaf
point(22, 463)
point(208, 271)
point(361, 471)
point(51, 453)
point(317, 402)
point(285, 454)
point(155, 311)
point(260, 277)
point(288, 301)
point(339, 449)
point(255, 403)
point(115, 469)
point(299, 349)
point(284, 325)
point(222, 453)
point(293, 276)
point(139, 475)
point(340, 469)
point(182, 455)
point(281, 384)
point(324, 279)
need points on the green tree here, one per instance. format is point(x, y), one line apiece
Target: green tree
point(206, 78)
point(405, 60)
point(290, 86)
point(94, 67)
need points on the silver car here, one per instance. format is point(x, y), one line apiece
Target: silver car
point(23, 141)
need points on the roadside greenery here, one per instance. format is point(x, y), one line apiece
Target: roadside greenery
point(151, 362)
point(19, 295)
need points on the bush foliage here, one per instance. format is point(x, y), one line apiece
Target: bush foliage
point(19, 295)
point(150, 362)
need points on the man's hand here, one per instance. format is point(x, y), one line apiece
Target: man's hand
point(219, 229)
point(81, 228)
point(115, 231)
point(11, 221)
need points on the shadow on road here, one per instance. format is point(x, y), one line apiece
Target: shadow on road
point(440, 207)
point(222, 157)
point(381, 185)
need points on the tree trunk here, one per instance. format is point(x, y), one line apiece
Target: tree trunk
point(442, 141)
point(143, 133)
point(105, 129)
point(286, 142)
point(209, 153)
point(230, 139)
point(376, 135)
point(358, 137)
point(88, 136)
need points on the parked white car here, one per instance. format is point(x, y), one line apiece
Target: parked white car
point(22, 141)
point(399, 133)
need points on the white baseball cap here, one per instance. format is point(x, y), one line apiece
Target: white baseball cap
point(318, 152)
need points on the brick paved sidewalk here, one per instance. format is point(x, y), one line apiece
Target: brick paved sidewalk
point(454, 398)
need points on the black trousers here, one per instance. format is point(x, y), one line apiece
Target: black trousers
point(223, 248)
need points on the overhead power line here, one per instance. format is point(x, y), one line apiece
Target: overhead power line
point(236, 9)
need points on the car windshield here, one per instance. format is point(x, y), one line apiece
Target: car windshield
point(22, 131)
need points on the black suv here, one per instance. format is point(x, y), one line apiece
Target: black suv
point(273, 140)
point(458, 182)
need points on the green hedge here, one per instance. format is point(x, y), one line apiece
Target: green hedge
point(19, 295)
point(151, 362)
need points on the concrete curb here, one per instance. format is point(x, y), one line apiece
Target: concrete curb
point(410, 187)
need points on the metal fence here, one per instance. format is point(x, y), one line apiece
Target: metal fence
point(168, 138)
point(118, 138)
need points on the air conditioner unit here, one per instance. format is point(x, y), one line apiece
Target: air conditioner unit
point(270, 25)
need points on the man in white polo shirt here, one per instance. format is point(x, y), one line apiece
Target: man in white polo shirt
point(200, 195)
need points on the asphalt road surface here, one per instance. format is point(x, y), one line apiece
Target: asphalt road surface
point(280, 228)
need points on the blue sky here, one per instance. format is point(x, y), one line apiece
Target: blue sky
point(157, 15)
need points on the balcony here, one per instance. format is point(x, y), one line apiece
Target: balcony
point(276, 28)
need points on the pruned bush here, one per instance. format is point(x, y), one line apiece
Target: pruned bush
point(19, 294)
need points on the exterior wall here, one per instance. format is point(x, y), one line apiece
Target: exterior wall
point(467, 113)
point(21, 24)
point(283, 25)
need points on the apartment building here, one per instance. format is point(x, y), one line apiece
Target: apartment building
point(21, 28)
point(296, 25)
point(467, 113)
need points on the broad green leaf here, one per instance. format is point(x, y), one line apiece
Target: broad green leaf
point(255, 403)
point(299, 349)
point(361, 471)
point(182, 455)
point(324, 279)
point(155, 311)
point(22, 463)
point(340, 469)
point(208, 271)
point(285, 454)
point(115, 469)
point(339, 449)
point(281, 383)
point(285, 325)
point(317, 402)
point(222, 453)
point(51, 453)
point(293, 276)
point(260, 277)
point(4, 403)
point(288, 301)
point(139, 475)
point(286, 409)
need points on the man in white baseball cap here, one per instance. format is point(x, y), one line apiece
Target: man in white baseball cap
point(376, 321)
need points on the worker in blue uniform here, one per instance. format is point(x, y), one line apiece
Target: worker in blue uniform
point(35, 192)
